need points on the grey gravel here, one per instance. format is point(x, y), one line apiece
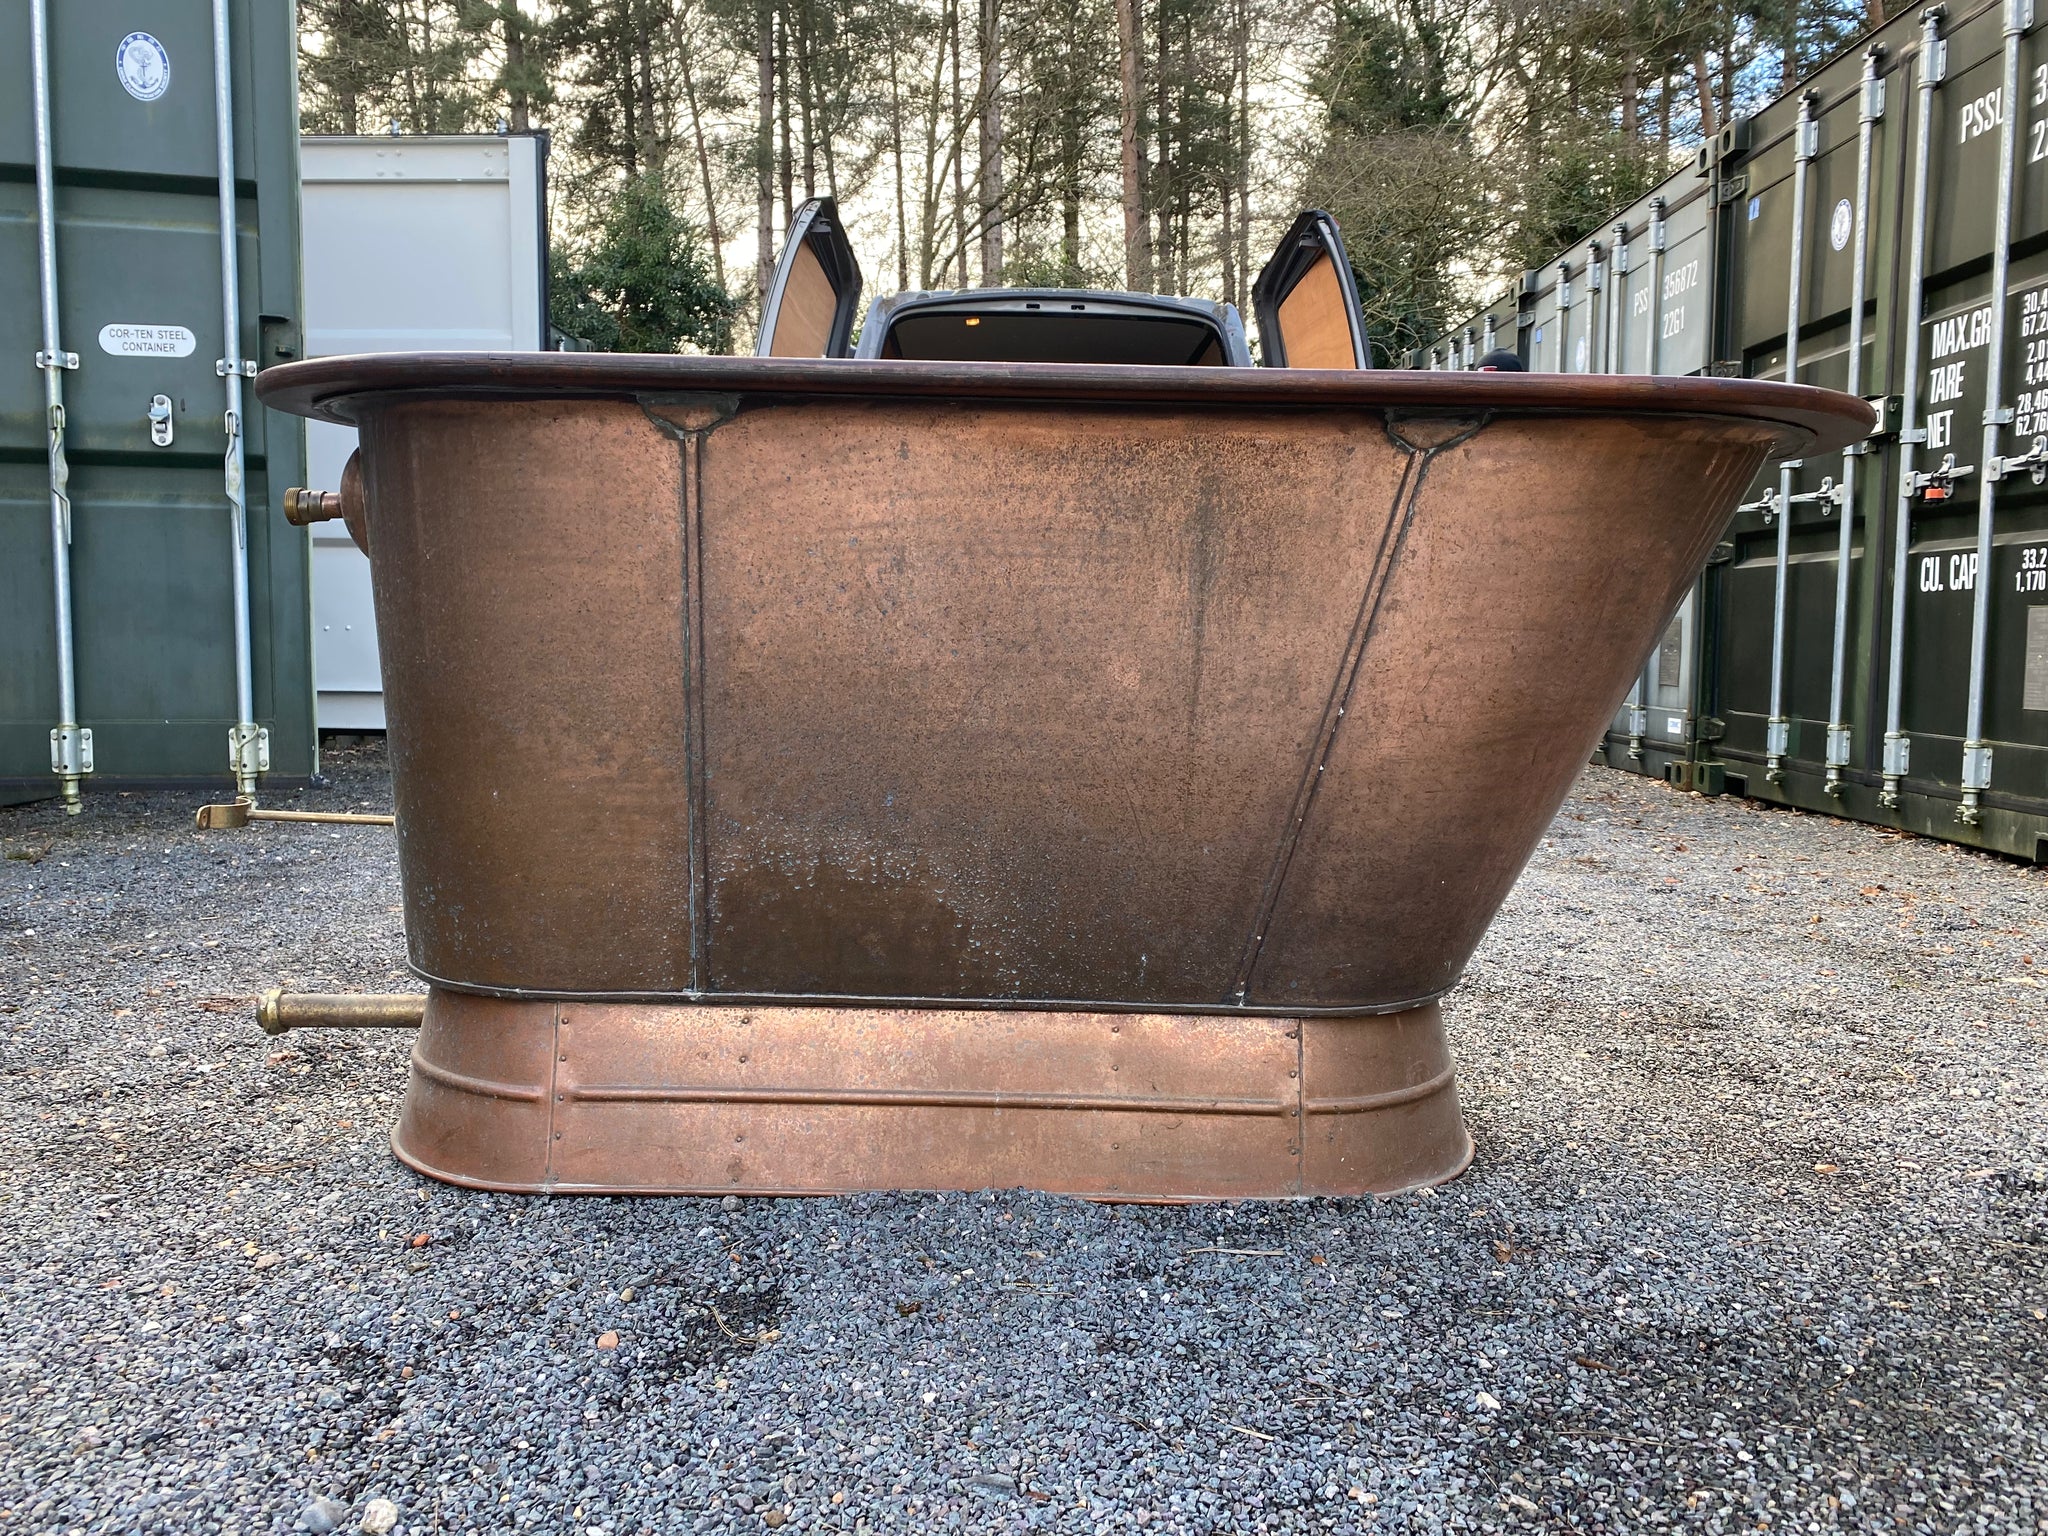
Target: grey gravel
point(324, 1515)
point(1757, 1239)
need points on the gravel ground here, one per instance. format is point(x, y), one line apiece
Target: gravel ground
point(1755, 1240)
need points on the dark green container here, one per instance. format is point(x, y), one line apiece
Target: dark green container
point(1726, 646)
point(138, 246)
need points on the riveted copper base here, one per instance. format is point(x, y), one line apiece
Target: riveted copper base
point(631, 1098)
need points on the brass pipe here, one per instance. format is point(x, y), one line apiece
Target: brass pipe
point(303, 507)
point(278, 1010)
point(239, 813)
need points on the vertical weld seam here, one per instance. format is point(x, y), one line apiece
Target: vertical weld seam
point(1301, 1106)
point(549, 1173)
point(1392, 537)
point(693, 705)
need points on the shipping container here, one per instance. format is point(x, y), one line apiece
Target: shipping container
point(412, 244)
point(1871, 639)
point(153, 600)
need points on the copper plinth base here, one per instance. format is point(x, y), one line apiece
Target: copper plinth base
point(632, 1098)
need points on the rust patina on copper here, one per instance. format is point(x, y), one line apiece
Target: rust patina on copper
point(759, 724)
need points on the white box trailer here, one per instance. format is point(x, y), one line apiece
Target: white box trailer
point(412, 244)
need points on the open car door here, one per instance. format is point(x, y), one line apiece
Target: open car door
point(1307, 303)
point(809, 312)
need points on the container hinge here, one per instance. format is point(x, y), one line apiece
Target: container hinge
point(1939, 484)
point(71, 751)
point(1724, 371)
point(1777, 737)
point(1873, 100)
point(1998, 416)
point(2034, 462)
point(1898, 753)
point(248, 750)
point(56, 359)
point(1710, 728)
point(1888, 408)
point(1731, 188)
point(1937, 61)
point(245, 366)
point(1976, 765)
point(1916, 436)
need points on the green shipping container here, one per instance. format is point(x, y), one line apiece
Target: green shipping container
point(1871, 638)
point(132, 174)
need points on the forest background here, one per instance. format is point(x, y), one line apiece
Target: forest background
point(1157, 145)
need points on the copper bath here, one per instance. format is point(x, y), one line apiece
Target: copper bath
point(823, 775)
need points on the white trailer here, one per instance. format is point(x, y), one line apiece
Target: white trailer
point(412, 244)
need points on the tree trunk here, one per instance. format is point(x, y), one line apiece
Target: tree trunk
point(1244, 147)
point(896, 144)
point(805, 89)
point(703, 157)
point(991, 143)
point(1788, 48)
point(1071, 154)
point(1664, 113)
point(1710, 123)
point(1631, 115)
point(1224, 246)
point(1137, 241)
point(1162, 166)
point(653, 145)
point(959, 137)
point(788, 163)
point(764, 146)
point(519, 100)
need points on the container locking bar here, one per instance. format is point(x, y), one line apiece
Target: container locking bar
point(1778, 730)
point(248, 742)
point(70, 742)
point(1870, 111)
point(1931, 66)
point(2019, 16)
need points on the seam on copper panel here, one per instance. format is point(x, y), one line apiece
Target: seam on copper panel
point(547, 1177)
point(1326, 729)
point(933, 1098)
point(1301, 1106)
point(751, 999)
point(1392, 1098)
point(693, 704)
point(482, 1087)
point(1393, 539)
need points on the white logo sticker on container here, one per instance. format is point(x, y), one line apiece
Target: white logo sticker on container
point(1840, 226)
point(143, 66)
point(146, 341)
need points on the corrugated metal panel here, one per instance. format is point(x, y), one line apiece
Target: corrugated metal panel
point(138, 253)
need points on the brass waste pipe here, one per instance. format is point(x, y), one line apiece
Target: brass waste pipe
point(278, 1010)
point(239, 813)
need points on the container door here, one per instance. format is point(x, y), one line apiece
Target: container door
point(1306, 302)
point(810, 305)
